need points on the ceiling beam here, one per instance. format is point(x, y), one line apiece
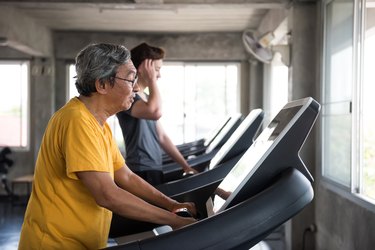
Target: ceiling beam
point(24, 34)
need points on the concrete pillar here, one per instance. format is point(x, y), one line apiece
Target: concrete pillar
point(256, 84)
point(43, 97)
point(304, 83)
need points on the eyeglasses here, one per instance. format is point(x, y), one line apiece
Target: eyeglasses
point(133, 82)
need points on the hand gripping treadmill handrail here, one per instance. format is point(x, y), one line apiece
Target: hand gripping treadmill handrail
point(271, 188)
point(197, 187)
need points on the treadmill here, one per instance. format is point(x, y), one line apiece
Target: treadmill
point(240, 140)
point(199, 146)
point(268, 186)
point(214, 172)
point(173, 171)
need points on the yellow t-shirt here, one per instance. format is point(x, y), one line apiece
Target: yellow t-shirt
point(61, 213)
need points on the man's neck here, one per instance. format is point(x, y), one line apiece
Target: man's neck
point(99, 114)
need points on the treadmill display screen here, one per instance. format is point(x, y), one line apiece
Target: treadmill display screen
point(247, 164)
point(212, 135)
point(223, 132)
point(245, 124)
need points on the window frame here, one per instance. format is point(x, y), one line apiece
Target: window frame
point(353, 192)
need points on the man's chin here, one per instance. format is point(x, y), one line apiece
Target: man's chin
point(128, 106)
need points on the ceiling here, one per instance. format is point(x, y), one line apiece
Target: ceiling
point(157, 16)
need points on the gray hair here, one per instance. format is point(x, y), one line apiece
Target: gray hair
point(98, 62)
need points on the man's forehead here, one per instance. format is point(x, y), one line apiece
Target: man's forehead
point(129, 66)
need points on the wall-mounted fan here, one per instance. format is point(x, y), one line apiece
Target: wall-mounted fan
point(261, 47)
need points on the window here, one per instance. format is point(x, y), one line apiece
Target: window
point(337, 92)
point(196, 97)
point(348, 131)
point(275, 89)
point(14, 104)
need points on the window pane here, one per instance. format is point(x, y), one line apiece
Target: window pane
point(203, 94)
point(171, 86)
point(72, 90)
point(207, 100)
point(337, 92)
point(337, 148)
point(14, 104)
point(368, 154)
point(275, 88)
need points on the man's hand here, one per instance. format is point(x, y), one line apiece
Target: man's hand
point(190, 171)
point(147, 71)
point(190, 206)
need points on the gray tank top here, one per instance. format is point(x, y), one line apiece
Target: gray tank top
point(143, 150)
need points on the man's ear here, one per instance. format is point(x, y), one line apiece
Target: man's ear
point(100, 87)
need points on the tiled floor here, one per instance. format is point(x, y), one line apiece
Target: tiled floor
point(11, 218)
